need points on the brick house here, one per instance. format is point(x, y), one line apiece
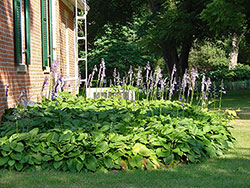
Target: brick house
point(33, 34)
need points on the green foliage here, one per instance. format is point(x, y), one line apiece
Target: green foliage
point(208, 56)
point(244, 50)
point(111, 12)
point(118, 46)
point(168, 31)
point(226, 17)
point(242, 72)
point(77, 134)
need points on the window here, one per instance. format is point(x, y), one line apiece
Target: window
point(18, 31)
point(47, 36)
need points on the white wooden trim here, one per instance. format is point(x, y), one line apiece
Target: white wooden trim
point(92, 92)
point(54, 14)
point(67, 45)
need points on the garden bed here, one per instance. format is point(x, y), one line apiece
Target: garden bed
point(78, 134)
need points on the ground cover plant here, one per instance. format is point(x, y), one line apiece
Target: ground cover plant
point(79, 134)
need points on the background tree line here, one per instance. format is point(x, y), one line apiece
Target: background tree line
point(206, 34)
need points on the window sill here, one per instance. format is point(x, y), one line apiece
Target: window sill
point(21, 68)
point(46, 70)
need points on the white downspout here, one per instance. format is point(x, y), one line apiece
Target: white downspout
point(77, 79)
point(54, 27)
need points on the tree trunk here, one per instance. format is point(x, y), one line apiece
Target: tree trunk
point(186, 47)
point(234, 52)
point(172, 58)
point(169, 48)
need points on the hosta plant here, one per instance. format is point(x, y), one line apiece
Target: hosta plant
point(78, 134)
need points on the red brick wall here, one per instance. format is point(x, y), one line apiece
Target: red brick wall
point(65, 13)
point(33, 79)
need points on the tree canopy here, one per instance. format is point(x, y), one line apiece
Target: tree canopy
point(169, 28)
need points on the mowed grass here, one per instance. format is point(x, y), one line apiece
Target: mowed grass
point(239, 101)
point(230, 171)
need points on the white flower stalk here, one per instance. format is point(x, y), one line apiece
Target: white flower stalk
point(91, 77)
point(203, 90)
point(130, 73)
point(103, 74)
point(172, 83)
point(114, 75)
point(148, 68)
point(158, 76)
point(163, 85)
point(208, 85)
point(222, 91)
point(118, 79)
point(194, 75)
point(139, 78)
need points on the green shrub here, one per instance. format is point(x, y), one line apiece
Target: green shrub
point(118, 46)
point(77, 134)
point(242, 72)
point(208, 56)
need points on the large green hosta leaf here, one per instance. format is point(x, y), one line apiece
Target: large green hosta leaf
point(19, 147)
point(141, 150)
point(57, 164)
point(102, 147)
point(136, 161)
point(108, 163)
point(3, 160)
point(91, 163)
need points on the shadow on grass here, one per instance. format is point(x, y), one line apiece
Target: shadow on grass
point(221, 172)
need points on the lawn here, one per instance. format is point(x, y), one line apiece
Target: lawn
point(230, 170)
point(238, 100)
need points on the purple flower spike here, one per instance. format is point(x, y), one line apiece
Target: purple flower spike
point(173, 71)
point(130, 73)
point(95, 69)
point(172, 88)
point(148, 68)
point(158, 76)
point(139, 77)
point(208, 84)
point(184, 81)
point(21, 96)
point(56, 87)
point(53, 96)
point(151, 81)
point(7, 90)
point(99, 74)
point(118, 79)
point(45, 82)
point(172, 83)
point(163, 85)
point(203, 89)
point(123, 81)
point(55, 66)
point(91, 76)
point(222, 89)
point(103, 75)
point(194, 75)
point(89, 81)
point(114, 75)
